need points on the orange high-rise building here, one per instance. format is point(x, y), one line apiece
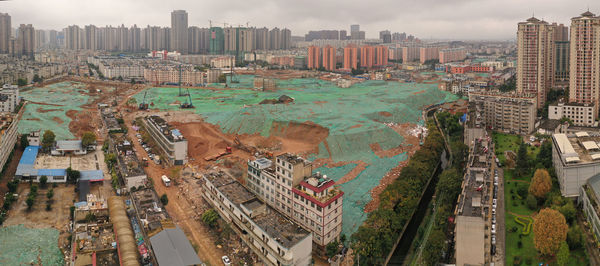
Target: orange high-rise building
point(366, 56)
point(314, 57)
point(329, 61)
point(381, 56)
point(350, 57)
point(585, 60)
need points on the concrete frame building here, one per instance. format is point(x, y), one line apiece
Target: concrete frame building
point(179, 31)
point(308, 198)
point(583, 115)
point(273, 237)
point(452, 55)
point(589, 196)
point(535, 58)
point(25, 41)
point(428, 53)
point(329, 58)
point(367, 55)
point(173, 145)
point(584, 73)
point(410, 54)
point(9, 98)
point(8, 136)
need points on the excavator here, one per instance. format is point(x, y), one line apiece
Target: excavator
point(143, 105)
point(188, 104)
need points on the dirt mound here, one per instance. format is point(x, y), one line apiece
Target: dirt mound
point(82, 121)
point(307, 132)
point(58, 120)
point(386, 114)
point(41, 110)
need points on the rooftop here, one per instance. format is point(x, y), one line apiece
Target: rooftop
point(292, 158)
point(281, 229)
point(173, 135)
point(172, 247)
point(578, 148)
point(470, 240)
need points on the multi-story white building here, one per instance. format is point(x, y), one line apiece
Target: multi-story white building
point(309, 199)
point(589, 197)
point(173, 145)
point(508, 113)
point(8, 136)
point(223, 62)
point(171, 74)
point(581, 114)
point(273, 237)
point(9, 98)
point(576, 158)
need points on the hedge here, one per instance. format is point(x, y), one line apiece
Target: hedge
point(526, 222)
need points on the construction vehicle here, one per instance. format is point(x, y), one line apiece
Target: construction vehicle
point(144, 105)
point(166, 181)
point(239, 145)
point(188, 104)
point(181, 93)
point(227, 151)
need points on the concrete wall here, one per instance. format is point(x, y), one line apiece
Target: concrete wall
point(572, 177)
point(590, 212)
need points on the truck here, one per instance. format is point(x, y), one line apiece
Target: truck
point(166, 181)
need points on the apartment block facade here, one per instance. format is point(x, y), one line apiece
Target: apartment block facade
point(173, 145)
point(308, 198)
point(535, 58)
point(513, 114)
point(584, 73)
point(583, 115)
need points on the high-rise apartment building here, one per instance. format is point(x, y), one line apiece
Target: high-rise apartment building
point(5, 32)
point(72, 37)
point(385, 36)
point(452, 55)
point(535, 58)
point(350, 57)
point(179, 31)
point(381, 56)
point(90, 41)
point(217, 40)
point(25, 40)
point(329, 58)
point(366, 56)
point(314, 57)
point(198, 40)
point(429, 53)
point(261, 39)
point(584, 73)
point(410, 53)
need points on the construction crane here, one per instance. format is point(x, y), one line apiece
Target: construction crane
point(181, 93)
point(188, 103)
point(144, 105)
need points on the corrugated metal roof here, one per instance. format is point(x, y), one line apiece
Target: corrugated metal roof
point(52, 172)
point(595, 156)
point(581, 134)
point(172, 247)
point(92, 175)
point(68, 145)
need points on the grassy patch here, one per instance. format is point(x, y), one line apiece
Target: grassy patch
point(515, 205)
point(527, 249)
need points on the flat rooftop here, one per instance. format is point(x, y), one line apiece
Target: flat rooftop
point(470, 240)
point(279, 228)
point(578, 148)
point(173, 135)
point(292, 158)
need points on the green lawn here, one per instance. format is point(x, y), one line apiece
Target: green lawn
point(527, 251)
point(508, 142)
point(516, 205)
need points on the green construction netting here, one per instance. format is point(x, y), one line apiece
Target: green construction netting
point(48, 106)
point(369, 104)
point(24, 246)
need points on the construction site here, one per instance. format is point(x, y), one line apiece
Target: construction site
point(359, 136)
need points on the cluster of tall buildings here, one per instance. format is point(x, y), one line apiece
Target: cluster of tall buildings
point(549, 57)
point(356, 34)
point(353, 57)
point(179, 37)
point(23, 44)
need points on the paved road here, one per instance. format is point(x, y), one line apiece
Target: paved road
point(500, 257)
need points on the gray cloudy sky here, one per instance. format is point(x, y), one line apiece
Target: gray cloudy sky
point(449, 19)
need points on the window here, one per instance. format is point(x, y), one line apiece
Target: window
point(319, 208)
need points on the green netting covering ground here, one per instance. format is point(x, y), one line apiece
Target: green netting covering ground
point(48, 106)
point(24, 246)
point(355, 118)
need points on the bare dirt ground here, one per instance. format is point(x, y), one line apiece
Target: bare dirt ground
point(38, 217)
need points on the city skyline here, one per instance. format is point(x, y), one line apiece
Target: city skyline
point(468, 20)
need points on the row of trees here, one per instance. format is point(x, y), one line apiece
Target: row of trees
point(374, 239)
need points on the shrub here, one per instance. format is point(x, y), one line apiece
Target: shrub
point(164, 199)
point(531, 202)
point(517, 260)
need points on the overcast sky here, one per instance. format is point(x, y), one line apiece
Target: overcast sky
point(440, 19)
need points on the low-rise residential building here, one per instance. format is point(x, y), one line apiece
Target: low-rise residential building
point(173, 145)
point(8, 136)
point(33, 138)
point(576, 158)
point(212, 75)
point(581, 114)
point(452, 55)
point(9, 98)
point(273, 237)
point(310, 199)
point(128, 166)
point(172, 74)
point(504, 112)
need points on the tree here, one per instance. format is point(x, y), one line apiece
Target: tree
point(30, 201)
point(550, 230)
point(222, 78)
point(50, 194)
point(21, 82)
point(110, 160)
point(73, 175)
point(568, 210)
point(43, 181)
point(24, 141)
point(48, 140)
point(545, 155)
point(541, 183)
point(164, 199)
point(342, 238)
point(36, 78)
point(332, 249)
point(531, 202)
point(12, 186)
point(522, 167)
point(210, 218)
point(87, 139)
point(575, 237)
point(562, 258)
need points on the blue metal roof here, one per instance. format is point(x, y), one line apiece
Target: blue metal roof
point(92, 175)
point(29, 155)
point(52, 172)
point(176, 132)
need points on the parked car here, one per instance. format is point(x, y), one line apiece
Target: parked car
point(493, 229)
point(493, 240)
point(494, 203)
point(226, 261)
